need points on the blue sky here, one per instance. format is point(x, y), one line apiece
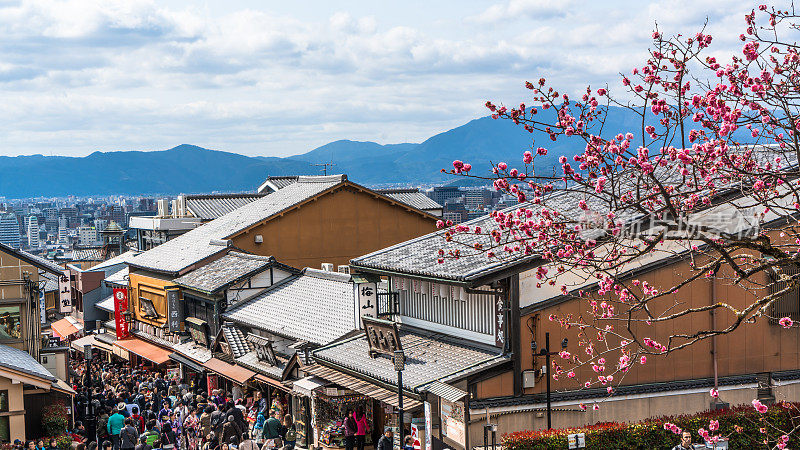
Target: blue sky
point(283, 77)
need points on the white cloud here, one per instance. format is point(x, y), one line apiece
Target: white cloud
point(77, 76)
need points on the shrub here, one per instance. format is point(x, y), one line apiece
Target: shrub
point(55, 419)
point(651, 434)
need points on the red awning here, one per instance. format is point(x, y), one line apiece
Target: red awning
point(144, 349)
point(65, 327)
point(237, 374)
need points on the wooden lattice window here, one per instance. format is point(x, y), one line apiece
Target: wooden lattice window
point(788, 305)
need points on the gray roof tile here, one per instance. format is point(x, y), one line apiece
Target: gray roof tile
point(315, 306)
point(209, 207)
point(225, 271)
point(236, 340)
point(429, 357)
point(411, 197)
point(250, 361)
point(107, 304)
point(193, 351)
point(15, 359)
point(208, 239)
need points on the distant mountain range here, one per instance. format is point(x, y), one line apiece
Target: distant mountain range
point(191, 169)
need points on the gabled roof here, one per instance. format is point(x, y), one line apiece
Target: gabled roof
point(419, 256)
point(236, 340)
point(228, 270)
point(21, 361)
point(87, 254)
point(209, 239)
point(430, 357)
point(212, 206)
point(272, 184)
point(411, 197)
point(37, 261)
point(315, 306)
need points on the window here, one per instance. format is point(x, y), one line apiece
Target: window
point(10, 325)
point(788, 305)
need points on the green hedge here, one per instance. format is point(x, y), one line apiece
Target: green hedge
point(650, 434)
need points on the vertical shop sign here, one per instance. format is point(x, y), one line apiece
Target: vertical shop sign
point(64, 294)
point(120, 307)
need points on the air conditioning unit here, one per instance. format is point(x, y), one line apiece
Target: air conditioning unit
point(344, 269)
point(328, 267)
point(259, 239)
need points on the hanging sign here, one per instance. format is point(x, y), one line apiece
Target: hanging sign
point(120, 307)
point(173, 311)
point(211, 382)
point(367, 300)
point(64, 294)
point(382, 335)
point(42, 308)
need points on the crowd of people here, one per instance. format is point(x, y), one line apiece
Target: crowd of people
point(136, 409)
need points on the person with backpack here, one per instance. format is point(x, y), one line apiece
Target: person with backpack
point(151, 434)
point(115, 424)
point(128, 435)
point(289, 434)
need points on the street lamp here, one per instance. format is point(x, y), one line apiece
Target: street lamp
point(547, 354)
point(400, 364)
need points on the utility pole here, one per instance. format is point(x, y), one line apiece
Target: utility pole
point(91, 420)
point(547, 354)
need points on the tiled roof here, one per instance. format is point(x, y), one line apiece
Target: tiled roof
point(15, 359)
point(210, 238)
point(119, 259)
point(272, 184)
point(209, 207)
point(236, 340)
point(411, 197)
point(50, 282)
point(120, 277)
point(250, 361)
point(316, 306)
point(38, 261)
point(193, 351)
point(225, 271)
point(87, 254)
point(429, 357)
point(419, 256)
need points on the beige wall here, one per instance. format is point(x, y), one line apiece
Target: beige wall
point(618, 409)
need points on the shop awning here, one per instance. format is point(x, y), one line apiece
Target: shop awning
point(445, 391)
point(66, 327)
point(286, 386)
point(197, 367)
point(304, 386)
point(78, 344)
point(144, 349)
point(236, 374)
point(362, 387)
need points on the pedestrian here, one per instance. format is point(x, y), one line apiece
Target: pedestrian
point(247, 443)
point(272, 431)
point(108, 445)
point(386, 442)
point(138, 420)
point(686, 441)
point(350, 429)
point(168, 438)
point(40, 445)
point(115, 424)
point(191, 428)
point(408, 443)
point(361, 427)
point(289, 434)
point(231, 431)
point(151, 433)
point(53, 445)
point(128, 435)
point(143, 445)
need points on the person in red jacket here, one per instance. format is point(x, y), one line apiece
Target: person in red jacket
point(138, 421)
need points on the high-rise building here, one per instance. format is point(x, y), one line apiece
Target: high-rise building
point(87, 236)
point(33, 232)
point(9, 230)
point(441, 194)
point(100, 224)
point(63, 231)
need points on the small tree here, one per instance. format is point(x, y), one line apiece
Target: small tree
point(710, 174)
point(55, 419)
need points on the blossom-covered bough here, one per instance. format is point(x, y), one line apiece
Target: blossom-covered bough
point(709, 175)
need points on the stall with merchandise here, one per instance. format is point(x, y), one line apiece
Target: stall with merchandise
point(330, 410)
